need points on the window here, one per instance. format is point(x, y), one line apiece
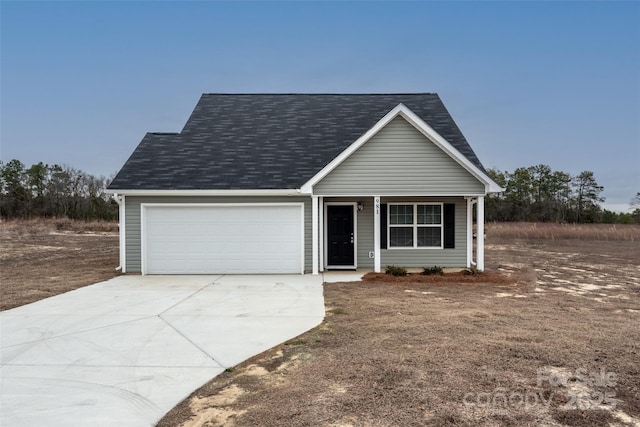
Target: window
point(416, 225)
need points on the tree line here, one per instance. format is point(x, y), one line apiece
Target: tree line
point(538, 193)
point(53, 191)
point(535, 193)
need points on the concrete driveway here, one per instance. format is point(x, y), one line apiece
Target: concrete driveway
point(125, 351)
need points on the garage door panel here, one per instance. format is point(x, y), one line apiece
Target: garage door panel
point(209, 239)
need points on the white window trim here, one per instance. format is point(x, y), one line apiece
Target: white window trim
point(415, 225)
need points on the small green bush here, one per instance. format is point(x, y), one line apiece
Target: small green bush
point(472, 271)
point(427, 271)
point(395, 271)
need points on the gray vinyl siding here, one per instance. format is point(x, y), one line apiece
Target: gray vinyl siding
point(399, 160)
point(365, 234)
point(132, 220)
point(455, 257)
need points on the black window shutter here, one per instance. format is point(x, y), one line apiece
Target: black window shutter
point(383, 226)
point(449, 225)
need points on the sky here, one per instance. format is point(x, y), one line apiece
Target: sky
point(555, 83)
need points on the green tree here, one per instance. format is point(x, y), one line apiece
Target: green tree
point(494, 203)
point(538, 193)
point(59, 193)
point(587, 197)
point(518, 194)
point(37, 177)
point(560, 188)
point(15, 196)
point(541, 186)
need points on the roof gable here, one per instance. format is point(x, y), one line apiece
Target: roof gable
point(396, 160)
point(270, 141)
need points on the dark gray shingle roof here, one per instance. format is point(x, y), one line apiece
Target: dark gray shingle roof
point(269, 141)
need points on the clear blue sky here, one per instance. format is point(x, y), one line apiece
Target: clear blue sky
point(528, 82)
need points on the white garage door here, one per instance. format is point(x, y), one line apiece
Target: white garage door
point(209, 239)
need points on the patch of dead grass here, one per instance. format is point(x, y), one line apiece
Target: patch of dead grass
point(41, 226)
point(556, 231)
point(38, 261)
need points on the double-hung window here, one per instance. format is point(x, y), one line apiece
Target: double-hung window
point(415, 225)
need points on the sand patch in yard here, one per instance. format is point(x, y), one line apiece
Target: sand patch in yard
point(214, 410)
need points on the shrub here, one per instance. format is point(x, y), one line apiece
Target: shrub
point(427, 271)
point(395, 271)
point(472, 271)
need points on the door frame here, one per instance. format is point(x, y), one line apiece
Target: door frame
point(325, 237)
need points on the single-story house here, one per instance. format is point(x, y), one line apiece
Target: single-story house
point(295, 183)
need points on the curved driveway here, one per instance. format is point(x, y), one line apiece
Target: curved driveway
point(125, 351)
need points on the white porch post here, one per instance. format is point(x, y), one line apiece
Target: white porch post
point(314, 235)
point(480, 240)
point(321, 231)
point(122, 231)
point(469, 231)
point(376, 234)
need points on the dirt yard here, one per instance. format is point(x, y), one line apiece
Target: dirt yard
point(39, 259)
point(552, 340)
point(550, 337)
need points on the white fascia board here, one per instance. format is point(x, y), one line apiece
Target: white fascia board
point(287, 192)
point(415, 194)
point(403, 111)
point(494, 187)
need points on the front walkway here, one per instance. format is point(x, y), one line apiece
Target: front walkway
point(126, 351)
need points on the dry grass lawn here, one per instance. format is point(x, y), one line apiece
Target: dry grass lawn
point(554, 231)
point(41, 258)
point(421, 351)
point(438, 351)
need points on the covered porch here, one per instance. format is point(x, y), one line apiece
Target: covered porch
point(350, 232)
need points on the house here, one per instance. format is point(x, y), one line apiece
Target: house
point(294, 183)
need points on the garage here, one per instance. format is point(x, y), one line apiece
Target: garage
point(222, 238)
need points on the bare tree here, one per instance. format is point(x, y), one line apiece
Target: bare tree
point(53, 191)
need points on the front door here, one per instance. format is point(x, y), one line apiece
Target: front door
point(340, 236)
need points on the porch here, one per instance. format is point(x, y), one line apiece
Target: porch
point(351, 232)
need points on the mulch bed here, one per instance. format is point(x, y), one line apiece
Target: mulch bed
point(457, 277)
